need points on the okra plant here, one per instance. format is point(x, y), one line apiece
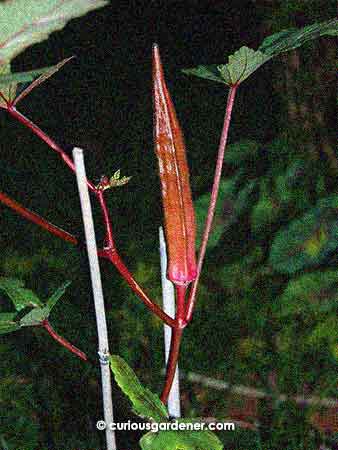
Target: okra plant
point(23, 23)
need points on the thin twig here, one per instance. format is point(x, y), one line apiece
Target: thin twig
point(213, 200)
point(247, 391)
point(38, 220)
point(43, 136)
point(61, 340)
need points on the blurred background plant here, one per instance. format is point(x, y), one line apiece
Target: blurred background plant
point(265, 317)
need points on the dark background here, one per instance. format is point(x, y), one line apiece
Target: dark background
point(102, 102)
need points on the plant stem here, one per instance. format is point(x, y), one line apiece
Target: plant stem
point(35, 218)
point(176, 336)
point(114, 257)
point(61, 340)
point(109, 241)
point(213, 201)
point(103, 344)
point(108, 252)
point(49, 141)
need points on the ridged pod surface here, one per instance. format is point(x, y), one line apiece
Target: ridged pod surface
point(179, 216)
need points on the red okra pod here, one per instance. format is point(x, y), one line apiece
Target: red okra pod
point(179, 216)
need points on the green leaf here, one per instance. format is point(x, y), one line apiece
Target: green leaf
point(290, 39)
point(307, 241)
point(34, 317)
point(22, 77)
point(51, 302)
point(291, 184)
point(207, 72)
point(246, 61)
point(145, 403)
point(263, 214)
point(241, 65)
point(325, 332)
point(41, 79)
point(243, 199)
point(26, 22)
point(240, 152)
point(314, 293)
point(181, 440)
point(266, 211)
point(20, 296)
point(8, 90)
point(7, 323)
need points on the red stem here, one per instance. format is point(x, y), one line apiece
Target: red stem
point(115, 258)
point(35, 218)
point(109, 251)
point(49, 141)
point(213, 200)
point(176, 337)
point(109, 241)
point(61, 340)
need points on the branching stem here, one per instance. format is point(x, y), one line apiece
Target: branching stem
point(109, 251)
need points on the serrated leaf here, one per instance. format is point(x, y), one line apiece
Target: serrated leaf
point(207, 72)
point(7, 323)
point(241, 65)
point(181, 440)
point(290, 39)
point(34, 317)
point(245, 61)
point(51, 302)
point(307, 241)
point(145, 403)
point(314, 293)
point(20, 296)
point(25, 22)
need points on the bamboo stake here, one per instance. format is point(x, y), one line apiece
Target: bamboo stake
point(98, 296)
point(168, 296)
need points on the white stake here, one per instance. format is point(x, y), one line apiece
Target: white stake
point(168, 296)
point(98, 296)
